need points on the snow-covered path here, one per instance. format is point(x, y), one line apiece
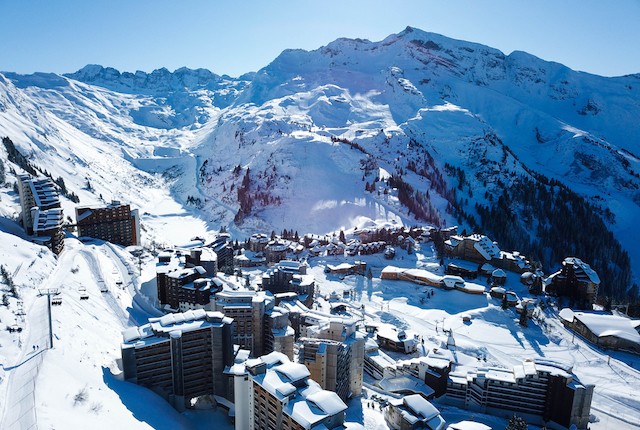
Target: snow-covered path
point(19, 412)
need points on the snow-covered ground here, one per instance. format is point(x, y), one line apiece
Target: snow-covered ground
point(74, 384)
point(154, 151)
point(493, 333)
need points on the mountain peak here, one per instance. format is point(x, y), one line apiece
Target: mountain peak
point(159, 80)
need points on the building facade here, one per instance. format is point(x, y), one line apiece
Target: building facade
point(576, 281)
point(181, 356)
point(328, 362)
point(290, 276)
point(259, 325)
point(42, 215)
point(115, 223)
point(413, 412)
point(331, 348)
point(273, 393)
point(185, 280)
point(542, 392)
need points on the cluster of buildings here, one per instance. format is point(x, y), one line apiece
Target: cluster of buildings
point(543, 392)
point(42, 217)
point(480, 249)
point(576, 280)
point(290, 277)
point(253, 366)
point(284, 364)
point(186, 279)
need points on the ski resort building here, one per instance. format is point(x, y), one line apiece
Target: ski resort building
point(224, 252)
point(186, 279)
point(539, 391)
point(606, 331)
point(180, 356)
point(328, 363)
point(42, 215)
point(335, 358)
point(273, 393)
point(480, 249)
point(395, 340)
point(413, 412)
point(258, 242)
point(330, 347)
point(259, 325)
point(577, 281)
point(115, 223)
point(290, 276)
point(276, 251)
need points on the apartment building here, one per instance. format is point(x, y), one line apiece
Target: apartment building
point(273, 393)
point(480, 249)
point(290, 276)
point(42, 215)
point(397, 340)
point(181, 356)
point(577, 281)
point(115, 223)
point(330, 347)
point(260, 326)
point(276, 251)
point(185, 279)
point(328, 362)
point(541, 391)
point(224, 251)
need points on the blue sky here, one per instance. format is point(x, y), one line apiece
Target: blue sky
point(235, 37)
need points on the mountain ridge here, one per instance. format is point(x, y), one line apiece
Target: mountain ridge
point(346, 112)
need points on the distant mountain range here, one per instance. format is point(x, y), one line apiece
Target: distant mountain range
point(415, 128)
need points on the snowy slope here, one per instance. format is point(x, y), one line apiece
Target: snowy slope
point(314, 127)
point(309, 131)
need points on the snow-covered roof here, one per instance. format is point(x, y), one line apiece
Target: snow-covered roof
point(602, 325)
point(414, 409)
point(499, 273)
point(404, 384)
point(420, 406)
point(176, 323)
point(308, 404)
point(468, 425)
point(293, 371)
point(328, 401)
point(473, 288)
point(585, 269)
point(339, 267)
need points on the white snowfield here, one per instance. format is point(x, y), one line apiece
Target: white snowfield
point(154, 140)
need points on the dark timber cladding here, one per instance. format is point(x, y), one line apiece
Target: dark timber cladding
point(115, 223)
point(180, 356)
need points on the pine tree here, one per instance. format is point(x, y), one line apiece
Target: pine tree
point(341, 237)
point(524, 317)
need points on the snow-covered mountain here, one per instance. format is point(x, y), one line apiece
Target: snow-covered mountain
point(307, 142)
